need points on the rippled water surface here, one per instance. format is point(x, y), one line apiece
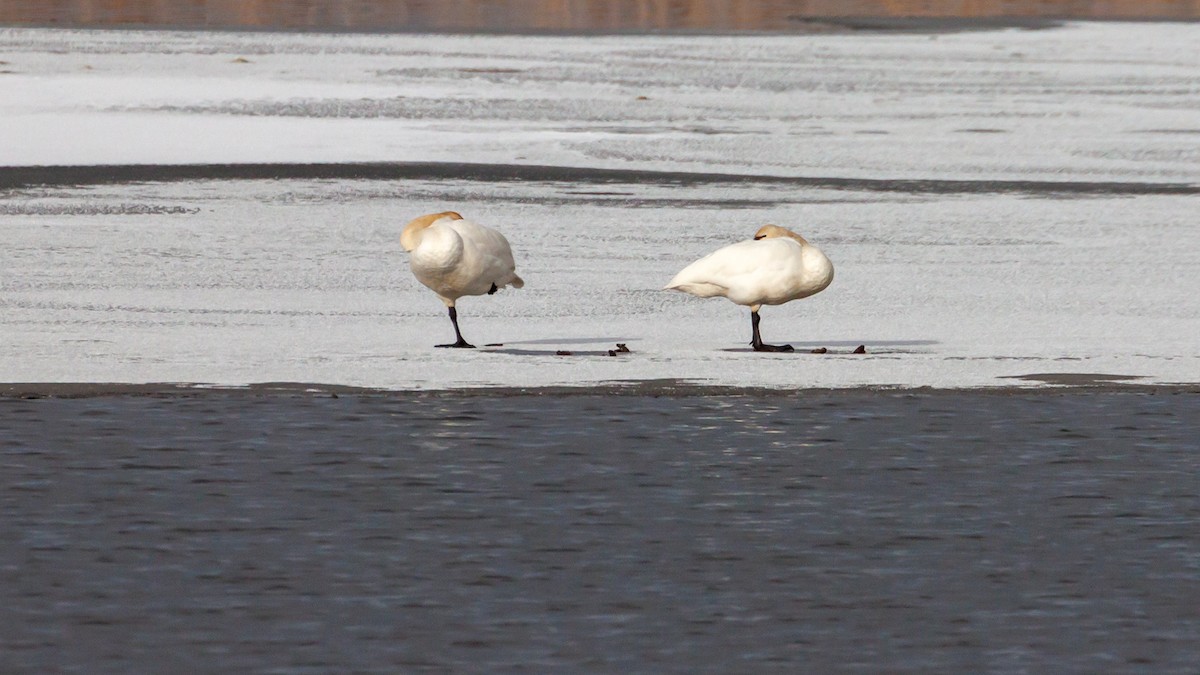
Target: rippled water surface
point(847, 532)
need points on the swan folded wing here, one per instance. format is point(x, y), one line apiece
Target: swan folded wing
point(744, 272)
point(709, 276)
point(699, 289)
point(488, 257)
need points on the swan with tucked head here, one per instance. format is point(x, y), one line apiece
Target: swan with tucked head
point(456, 257)
point(775, 267)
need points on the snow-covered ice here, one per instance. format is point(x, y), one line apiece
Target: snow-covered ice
point(1090, 101)
point(239, 281)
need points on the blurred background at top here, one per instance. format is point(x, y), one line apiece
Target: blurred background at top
point(550, 16)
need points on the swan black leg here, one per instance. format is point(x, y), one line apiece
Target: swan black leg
point(756, 340)
point(461, 342)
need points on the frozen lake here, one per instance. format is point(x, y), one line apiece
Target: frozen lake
point(1003, 208)
point(997, 204)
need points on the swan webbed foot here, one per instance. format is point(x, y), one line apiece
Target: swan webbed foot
point(772, 348)
point(461, 344)
point(756, 337)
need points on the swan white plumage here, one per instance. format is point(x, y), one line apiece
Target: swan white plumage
point(775, 267)
point(456, 257)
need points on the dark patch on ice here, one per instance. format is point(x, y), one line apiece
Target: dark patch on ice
point(835, 347)
point(491, 71)
point(650, 203)
point(570, 341)
point(1168, 131)
point(1076, 379)
point(660, 129)
point(12, 178)
point(555, 352)
point(801, 349)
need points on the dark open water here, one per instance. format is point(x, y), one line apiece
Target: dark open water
point(832, 532)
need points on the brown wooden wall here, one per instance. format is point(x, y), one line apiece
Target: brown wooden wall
point(558, 15)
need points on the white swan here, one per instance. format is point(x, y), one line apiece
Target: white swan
point(778, 265)
point(456, 257)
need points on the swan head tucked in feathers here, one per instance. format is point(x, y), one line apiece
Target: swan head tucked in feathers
point(769, 231)
point(410, 238)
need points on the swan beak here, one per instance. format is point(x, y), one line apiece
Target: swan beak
point(761, 236)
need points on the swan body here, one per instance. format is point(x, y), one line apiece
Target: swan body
point(775, 267)
point(454, 257)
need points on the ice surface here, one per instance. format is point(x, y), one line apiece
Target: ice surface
point(230, 282)
point(1089, 101)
